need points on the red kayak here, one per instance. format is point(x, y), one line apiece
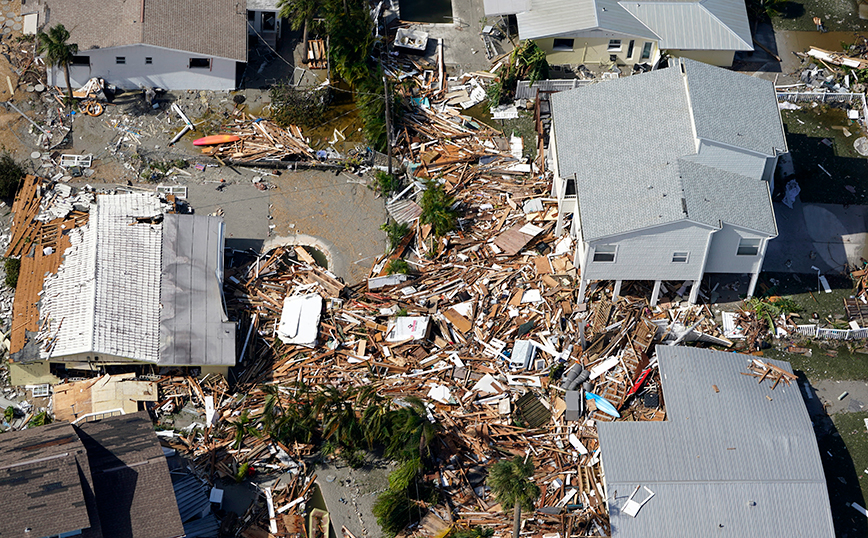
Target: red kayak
point(216, 139)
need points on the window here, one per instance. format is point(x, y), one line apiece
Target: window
point(197, 63)
point(251, 16)
point(120, 60)
point(149, 60)
point(748, 247)
point(605, 253)
point(630, 49)
point(80, 60)
point(563, 44)
point(646, 50)
point(268, 22)
point(680, 257)
point(614, 45)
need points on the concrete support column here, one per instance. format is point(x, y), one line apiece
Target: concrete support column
point(559, 227)
point(583, 286)
point(656, 293)
point(694, 292)
point(753, 280)
point(616, 292)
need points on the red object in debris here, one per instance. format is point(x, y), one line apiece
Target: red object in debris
point(638, 384)
point(216, 139)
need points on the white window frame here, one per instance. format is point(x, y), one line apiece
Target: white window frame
point(746, 242)
point(614, 253)
point(199, 59)
point(682, 256)
point(120, 60)
point(563, 48)
point(615, 45)
point(631, 49)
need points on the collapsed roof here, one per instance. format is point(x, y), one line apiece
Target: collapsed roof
point(137, 283)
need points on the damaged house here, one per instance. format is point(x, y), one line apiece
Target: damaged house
point(107, 478)
point(152, 43)
point(610, 32)
point(667, 175)
point(733, 458)
point(136, 284)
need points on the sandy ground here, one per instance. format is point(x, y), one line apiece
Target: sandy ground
point(827, 392)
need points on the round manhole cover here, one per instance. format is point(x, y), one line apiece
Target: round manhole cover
point(861, 145)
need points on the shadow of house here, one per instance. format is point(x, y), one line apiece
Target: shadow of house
point(809, 155)
point(107, 478)
point(841, 474)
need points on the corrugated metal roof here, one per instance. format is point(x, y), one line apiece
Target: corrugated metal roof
point(194, 328)
point(677, 24)
point(504, 7)
point(149, 291)
point(689, 25)
point(629, 177)
point(728, 463)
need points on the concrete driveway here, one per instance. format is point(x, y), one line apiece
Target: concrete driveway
point(825, 236)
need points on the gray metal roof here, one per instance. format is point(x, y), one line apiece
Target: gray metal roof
point(692, 26)
point(728, 463)
point(630, 143)
point(676, 24)
point(194, 328)
point(553, 18)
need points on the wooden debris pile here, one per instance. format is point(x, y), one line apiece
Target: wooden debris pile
point(262, 140)
point(764, 370)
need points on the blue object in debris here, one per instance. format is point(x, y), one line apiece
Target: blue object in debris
point(603, 404)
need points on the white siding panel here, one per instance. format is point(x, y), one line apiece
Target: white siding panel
point(170, 70)
point(724, 244)
point(648, 255)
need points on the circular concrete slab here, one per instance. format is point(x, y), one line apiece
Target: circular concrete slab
point(861, 145)
point(16, 26)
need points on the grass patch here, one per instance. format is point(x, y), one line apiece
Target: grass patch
point(837, 15)
point(815, 136)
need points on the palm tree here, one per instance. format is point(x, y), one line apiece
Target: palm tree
point(411, 431)
point(57, 51)
point(508, 479)
point(375, 415)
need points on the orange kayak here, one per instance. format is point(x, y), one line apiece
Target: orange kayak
point(216, 139)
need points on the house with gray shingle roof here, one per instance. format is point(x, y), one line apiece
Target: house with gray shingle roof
point(667, 175)
point(106, 478)
point(153, 43)
point(630, 32)
point(732, 458)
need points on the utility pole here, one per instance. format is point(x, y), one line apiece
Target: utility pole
point(388, 125)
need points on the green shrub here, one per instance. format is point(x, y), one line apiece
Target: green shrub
point(437, 209)
point(39, 419)
point(387, 184)
point(11, 174)
point(397, 266)
point(12, 266)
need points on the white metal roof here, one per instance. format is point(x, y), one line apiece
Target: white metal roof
point(675, 24)
point(125, 273)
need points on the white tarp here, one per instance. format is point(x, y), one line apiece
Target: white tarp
point(299, 321)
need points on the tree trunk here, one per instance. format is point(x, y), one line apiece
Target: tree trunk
point(516, 520)
point(304, 40)
point(68, 84)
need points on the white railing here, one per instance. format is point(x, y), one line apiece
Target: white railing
point(815, 331)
